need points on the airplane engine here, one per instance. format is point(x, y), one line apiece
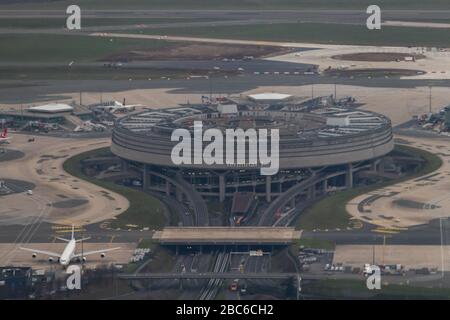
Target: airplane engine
point(50, 259)
point(84, 259)
point(34, 255)
point(102, 255)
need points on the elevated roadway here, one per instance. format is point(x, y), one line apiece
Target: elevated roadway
point(207, 275)
point(227, 236)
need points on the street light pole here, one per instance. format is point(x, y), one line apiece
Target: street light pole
point(430, 99)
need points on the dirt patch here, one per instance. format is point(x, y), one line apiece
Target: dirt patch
point(410, 204)
point(373, 73)
point(378, 56)
point(194, 51)
point(107, 195)
point(72, 203)
point(9, 155)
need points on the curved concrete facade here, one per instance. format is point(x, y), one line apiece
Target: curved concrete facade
point(320, 150)
point(154, 149)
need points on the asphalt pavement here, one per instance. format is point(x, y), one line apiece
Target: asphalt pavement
point(39, 91)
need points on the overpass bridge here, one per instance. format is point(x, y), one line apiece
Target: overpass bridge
point(207, 275)
point(233, 236)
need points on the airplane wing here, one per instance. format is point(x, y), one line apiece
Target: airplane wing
point(62, 239)
point(49, 253)
point(83, 239)
point(86, 253)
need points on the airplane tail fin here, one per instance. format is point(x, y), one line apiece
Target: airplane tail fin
point(4, 133)
point(73, 231)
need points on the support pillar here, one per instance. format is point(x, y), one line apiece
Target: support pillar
point(178, 194)
point(222, 188)
point(268, 188)
point(349, 176)
point(181, 284)
point(145, 178)
point(293, 202)
point(124, 166)
point(325, 186)
point(167, 188)
point(373, 166)
point(312, 192)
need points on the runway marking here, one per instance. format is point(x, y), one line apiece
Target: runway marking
point(385, 230)
point(398, 228)
point(62, 227)
point(70, 231)
point(356, 224)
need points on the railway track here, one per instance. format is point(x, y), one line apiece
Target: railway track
point(209, 292)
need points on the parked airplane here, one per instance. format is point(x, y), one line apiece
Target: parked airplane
point(116, 107)
point(69, 251)
point(4, 136)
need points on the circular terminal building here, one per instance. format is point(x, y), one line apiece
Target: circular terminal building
point(321, 145)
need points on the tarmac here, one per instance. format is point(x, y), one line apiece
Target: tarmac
point(409, 256)
point(43, 167)
point(413, 202)
point(11, 255)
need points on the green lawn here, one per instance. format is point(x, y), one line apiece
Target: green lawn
point(237, 4)
point(63, 48)
point(315, 243)
point(318, 33)
point(25, 48)
point(148, 243)
point(145, 210)
point(330, 212)
point(60, 22)
point(163, 260)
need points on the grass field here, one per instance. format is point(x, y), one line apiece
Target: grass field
point(144, 210)
point(27, 48)
point(330, 212)
point(232, 4)
point(62, 48)
point(58, 22)
point(317, 33)
point(315, 243)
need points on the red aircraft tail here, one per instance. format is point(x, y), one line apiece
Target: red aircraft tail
point(4, 133)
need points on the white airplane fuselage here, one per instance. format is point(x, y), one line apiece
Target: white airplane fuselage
point(68, 253)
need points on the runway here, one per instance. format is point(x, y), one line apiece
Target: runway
point(44, 90)
point(304, 15)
